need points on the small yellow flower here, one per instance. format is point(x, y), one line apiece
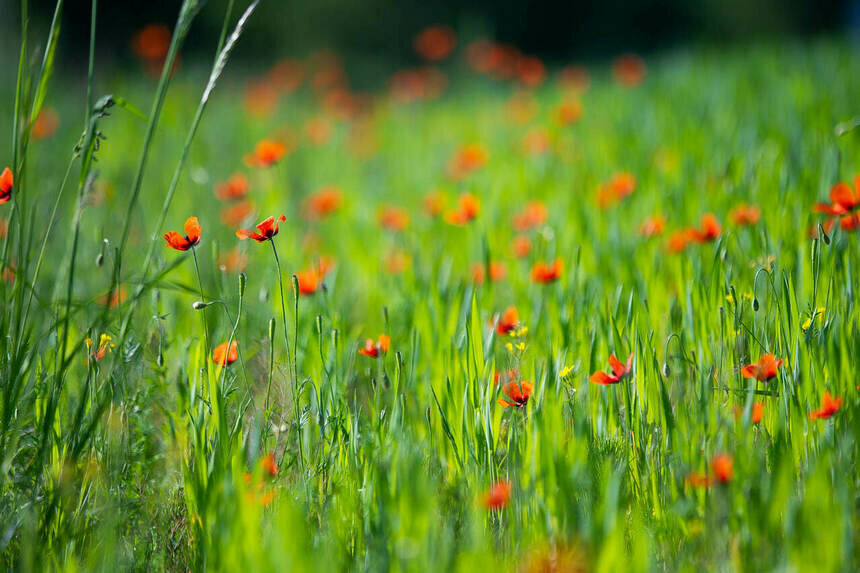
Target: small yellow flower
point(522, 331)
point(819, 318)
point(565, 372)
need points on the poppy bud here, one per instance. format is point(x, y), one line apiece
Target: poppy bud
point(160, 360)
point(243, 280)
point(200, 305)
point(755, 304)
point(100, 259)
point(335, 336)
point(666, 369)
point(295, 279)
point(319, 324)
point(271, 329)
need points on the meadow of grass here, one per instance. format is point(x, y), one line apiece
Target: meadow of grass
point(462, 434)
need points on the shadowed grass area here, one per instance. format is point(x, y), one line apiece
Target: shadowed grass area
point(418, 224)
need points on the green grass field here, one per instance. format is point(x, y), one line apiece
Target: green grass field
point(474, 436)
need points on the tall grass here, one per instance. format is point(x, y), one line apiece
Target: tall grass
point(312, 456)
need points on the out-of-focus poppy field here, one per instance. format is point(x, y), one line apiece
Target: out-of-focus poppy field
point(495, 310)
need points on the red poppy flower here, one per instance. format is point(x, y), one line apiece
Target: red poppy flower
point(745, 214)
point(849, 222)
point(266, 153)
point(498, 496)
point(506, 376)
point(568, 113)
point(628, 70)
point(466, 160)
point(517, 393)
point(46, 124)
point(6, 182)
point(309, 280)
point(653, 226)
point(679, 240)
point(234, 188)
point(223, 356)
point(545, 273)
point(722, 466)
point(536, 142)
point(498, 271)
point(191, 238)
point(766, 368)
point(530, 71)
point(756, 414)
point(467, 210)
point(232, 261)
point(829, 406)
point(709, 231)
point(534, 215)
point(619, 371)
point(322, 202)
point(434, 203)
point(233, 215)
point(617, 188)
point(843, 199)
point(435, 43)
point(268, 465)
point(393, 218)
point(267, 230)
point(374, 349)
point(521, 246)
point(508, 321)
point(318, 130)
point(151, 42)
point(117, 298)
point(574, 79)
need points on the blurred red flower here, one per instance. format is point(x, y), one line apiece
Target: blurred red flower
point(619, 371)
point(765, 369)
point(191, 238)
point(435, 43)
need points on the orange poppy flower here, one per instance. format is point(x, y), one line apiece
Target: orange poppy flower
point(434, 203)
point(468, 208)
point(232, 261)
point(266, 153)
point(829, 406)
point(309, 279)
point(269, 465)
point(521, 246)
point(318, 130)
point(322, 202)
point(151, 42)
point(536, 142)
point(498, 272)
point(544, 273)
point(653, 226)
point(756, 414)
point(619, 371)
point(530, 71)
point(709, 231)
point(46, 124)
point(286, 76)
point(393, 218)
point(267, 230)
point(396, 262)
point(506, 376)
point(373, 349)
point(628, 70)
point(722, 466)
point(508, 321)
point(568, 112)
point(574, 79)
point(224, 357)
point(517, 394)
point(435, 43)
point(745, 214)
point(498, 496)
point(467, 159)
point(6, 183)
point(534, 215)
point(191, 238)
point(678, 241)
point(766, 368)
point(260, 97)
point(117, 298)
point(236, 187)
point(234, 215)
point(617, 188)
point(843, 199)
point(698, 479)
point(850, 222)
